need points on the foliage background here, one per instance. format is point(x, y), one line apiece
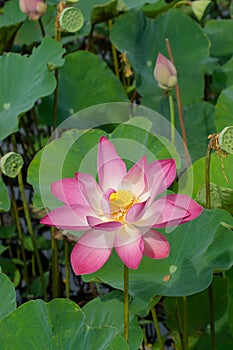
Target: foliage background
point(86, 69)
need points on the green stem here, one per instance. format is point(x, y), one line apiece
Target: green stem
point(212, 325)
point(207, 176)
point(20, 235)
point(185, 323)
point(126, 303)
point(54, 247)
point(179, 323)
point(157, 328)
point(55, 101)
point(55, 265)
point(210, 289)
point(41, 27)
point(31, 233)
point(179, 107)
point(114, 54)
point(67, 265)
point(172, 114)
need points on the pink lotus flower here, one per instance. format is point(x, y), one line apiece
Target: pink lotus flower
point(121, 211)
point(34, 9)
point(165, 73)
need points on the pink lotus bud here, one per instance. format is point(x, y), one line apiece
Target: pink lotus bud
point(34, 9)
point(165, 73)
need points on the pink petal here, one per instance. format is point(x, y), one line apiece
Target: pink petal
point(129, 246)
point(105, 204)
point(98, 224)
point(111, 168)
point(68, 217)
point(134, 181)
point(188, 203)
point(171, 213)
point(131, 254)
point(68, 191)
point(92, 190)
point(85, 260)
point(155, 245)
point(160, 175)
point(149, 217)
point(98, 239)
point(135, 212)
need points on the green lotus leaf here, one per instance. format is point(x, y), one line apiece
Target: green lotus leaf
point(60, 324)
point(33, 81)
point(4, 197)
point(8, 296)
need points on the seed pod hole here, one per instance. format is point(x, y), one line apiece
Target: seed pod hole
point(71, 19)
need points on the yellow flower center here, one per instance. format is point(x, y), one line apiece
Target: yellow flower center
point(120, 203)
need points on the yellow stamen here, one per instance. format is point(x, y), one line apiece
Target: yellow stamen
point(120, 203)
point(121, 198)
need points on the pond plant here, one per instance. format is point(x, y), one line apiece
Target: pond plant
point(116, 185)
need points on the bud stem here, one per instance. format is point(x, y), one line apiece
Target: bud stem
point(179, 106)
point(172, 115)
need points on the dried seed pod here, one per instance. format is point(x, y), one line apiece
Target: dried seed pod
point(11, 164)
point(71, 19)
point(225, 139)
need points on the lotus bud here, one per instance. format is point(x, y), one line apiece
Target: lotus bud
point(165, 73)
point(34, 9)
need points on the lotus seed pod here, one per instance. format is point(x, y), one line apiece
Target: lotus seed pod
point(71, 19)
point(225, 139)
point(11, 164)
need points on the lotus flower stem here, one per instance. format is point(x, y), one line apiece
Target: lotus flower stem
point(185, 324)
point(157, 328)
point(179, 322)
point(67, 265)
point(55, 270)
point(212, 325)
point(126, 303)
